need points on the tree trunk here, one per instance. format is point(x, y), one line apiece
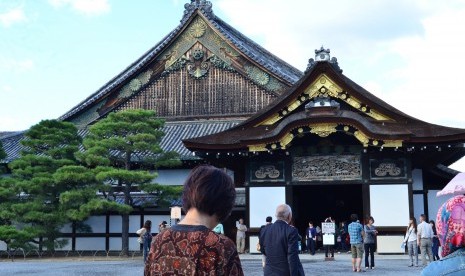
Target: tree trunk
point(125, 223)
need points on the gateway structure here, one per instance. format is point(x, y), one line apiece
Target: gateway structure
point(328, 148)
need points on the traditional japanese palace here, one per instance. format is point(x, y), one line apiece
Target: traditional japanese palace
point(315, 140)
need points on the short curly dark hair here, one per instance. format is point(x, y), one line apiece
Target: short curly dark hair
point(210, 190)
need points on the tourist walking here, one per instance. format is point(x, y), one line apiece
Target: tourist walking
point(190, 247)
point(451, 230)
point(369, 242)
point(268, 221)
point(145, 237)
point(240, 236)
point(435, 246)
point(356, 242)
point(424, 239)
point(310, 235)
point(411, 241)
point(279, 242)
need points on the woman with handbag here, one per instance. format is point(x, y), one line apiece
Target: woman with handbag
point(411, 241)
point(145, 237)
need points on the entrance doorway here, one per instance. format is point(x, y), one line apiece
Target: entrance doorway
point(317, 202)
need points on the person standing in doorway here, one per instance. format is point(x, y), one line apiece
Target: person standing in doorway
point(424, 240)
point(356, 242)
point(240, 236)
point(411, 241)
point(279, 243)
point(268, 221)
point(369, 242)
point(435, 240)
point(310, 235)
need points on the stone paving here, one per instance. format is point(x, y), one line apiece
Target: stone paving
point(313, 265)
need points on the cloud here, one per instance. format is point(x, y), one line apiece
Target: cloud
point(86, 7)
point(14, 65)
point(12, 16)
point(408, 53)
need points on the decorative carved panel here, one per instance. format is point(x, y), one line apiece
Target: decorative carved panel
point(326, 168)
point(388, 168)
point(266, 171)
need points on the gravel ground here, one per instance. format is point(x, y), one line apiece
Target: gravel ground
point(395, 265)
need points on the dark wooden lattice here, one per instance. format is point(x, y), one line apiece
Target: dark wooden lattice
point(219, 93)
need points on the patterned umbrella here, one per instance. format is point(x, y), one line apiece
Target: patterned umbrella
point(455, 187)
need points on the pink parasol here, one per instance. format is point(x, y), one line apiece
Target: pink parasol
point(455, 187)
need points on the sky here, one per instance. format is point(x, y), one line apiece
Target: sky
point(409, 53)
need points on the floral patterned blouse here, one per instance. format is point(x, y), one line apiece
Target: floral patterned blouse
point(192, 250)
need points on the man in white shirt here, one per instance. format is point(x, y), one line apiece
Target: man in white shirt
point(424, 239)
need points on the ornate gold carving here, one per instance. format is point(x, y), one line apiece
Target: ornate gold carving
point(286, 140)
point(362, 138)
point(326, 168)
point(392, 143)
point(259, 147)
point(264, 171)
point(198, 28)
point(271, 120)
point(323, 130)
point(324, 86)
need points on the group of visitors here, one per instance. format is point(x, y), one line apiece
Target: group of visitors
point(192, 248)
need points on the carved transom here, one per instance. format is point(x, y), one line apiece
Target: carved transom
point(326, 168)
point(385, 169)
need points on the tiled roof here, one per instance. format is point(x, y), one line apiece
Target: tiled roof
point(244, 44)
point(175, 132)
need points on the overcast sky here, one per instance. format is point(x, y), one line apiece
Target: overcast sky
point(410, 53)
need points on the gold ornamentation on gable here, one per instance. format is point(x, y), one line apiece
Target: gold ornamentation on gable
point(323, 130)
point(286, 140)
point(323, 86)
point(198, 28)
point(259, 147)
point(392, 143)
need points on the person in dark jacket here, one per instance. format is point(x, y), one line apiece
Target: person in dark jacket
point(279, 243)
point(310, 235)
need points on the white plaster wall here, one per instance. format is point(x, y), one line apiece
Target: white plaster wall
point(417, 178)
point(66, 228)
point(390, 244)
point(115, 224)
point(253, 240)
point(116, 244)
point(263, 202)
point(418, 205)
point(88, 243)
point(134, 224)
point(97, 223)
point(389, 204)
point(171, 177)
point(156, 220)
point(2, 245)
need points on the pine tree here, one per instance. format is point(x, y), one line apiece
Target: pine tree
point(35, 199)
point(121, 149)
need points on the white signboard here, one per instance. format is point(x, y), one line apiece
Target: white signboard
point(328, 228)
point(328, 239)
point(176, 212)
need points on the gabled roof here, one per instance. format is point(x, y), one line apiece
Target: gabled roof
point(323, 102)
point(254, 52)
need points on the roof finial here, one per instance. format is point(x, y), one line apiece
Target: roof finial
point(203, 5)
point(321, 55)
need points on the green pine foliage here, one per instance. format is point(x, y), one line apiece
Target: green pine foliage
point(46, 189)
point(122, 149)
